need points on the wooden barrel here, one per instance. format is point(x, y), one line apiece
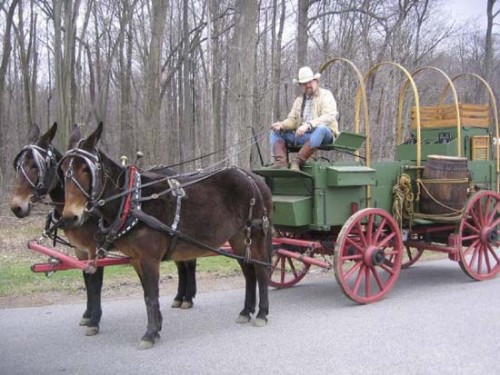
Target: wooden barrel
point(445, 184)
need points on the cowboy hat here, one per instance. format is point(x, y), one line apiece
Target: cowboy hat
point(305, 75)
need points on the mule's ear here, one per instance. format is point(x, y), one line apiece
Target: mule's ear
point(33, 134)
point(74, 137)
point(91, 142)
point(48, 136)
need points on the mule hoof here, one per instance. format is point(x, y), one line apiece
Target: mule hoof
point(186, 305)
point(241, 319)
point(144, 344)
point(259, 322)
point(176, 304)
point(84, 322)
point(91, 331)
point(90, 269)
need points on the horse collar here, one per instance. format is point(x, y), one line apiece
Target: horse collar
point(124, 221)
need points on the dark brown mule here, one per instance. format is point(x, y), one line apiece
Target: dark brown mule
point(36, 167)
point(217, 207)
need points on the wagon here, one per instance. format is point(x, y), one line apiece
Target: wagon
point(368, 220)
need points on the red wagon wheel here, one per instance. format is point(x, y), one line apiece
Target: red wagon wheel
point(286, 271)
point(478, 236)
point(365, 244)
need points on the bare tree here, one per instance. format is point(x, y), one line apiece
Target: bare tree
point(125, 65)
point(302, 30)
point(488, 43)
point(64, 15)
point(6, 52)
point(242, 77)
point(152, 78)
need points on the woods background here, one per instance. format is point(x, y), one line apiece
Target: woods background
point(180, 79)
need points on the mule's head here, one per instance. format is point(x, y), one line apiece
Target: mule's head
point(83, 176)
point(35, 167)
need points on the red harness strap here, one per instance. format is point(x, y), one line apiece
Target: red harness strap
point(126, 207)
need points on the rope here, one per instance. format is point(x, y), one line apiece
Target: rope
point(454, 215)
point(403, 201)
point(403, 197)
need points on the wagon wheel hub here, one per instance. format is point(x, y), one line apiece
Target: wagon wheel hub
point(489, 235)
point(374, 256)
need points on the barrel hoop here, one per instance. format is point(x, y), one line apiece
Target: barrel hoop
point(444, 180)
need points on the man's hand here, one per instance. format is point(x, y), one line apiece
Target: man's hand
point(277, 126)
point(302, 129)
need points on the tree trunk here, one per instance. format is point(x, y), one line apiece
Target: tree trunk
point(186, 123)
point(64, 62)
point(241, 80)
point(276, 60)
point(488, 48)
point(126, 115)
point(302, 28)
point(152, 80)
point(6, 51)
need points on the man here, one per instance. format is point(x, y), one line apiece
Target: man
point(311, 122)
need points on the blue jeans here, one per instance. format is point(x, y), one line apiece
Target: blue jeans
point(321, 134)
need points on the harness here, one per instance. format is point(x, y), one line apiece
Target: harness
point(94, 165)
point(130, 212)
point(124, 221)
point(45, 161)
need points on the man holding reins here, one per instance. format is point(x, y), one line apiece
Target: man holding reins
point(311, 122)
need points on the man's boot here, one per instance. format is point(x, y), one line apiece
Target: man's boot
point(280, 155)
point(300, 158)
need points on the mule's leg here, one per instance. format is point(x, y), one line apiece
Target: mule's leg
point(149, 274)
point(94, 293)
point(262, 274)
point(182, 283)
point(190, 290)
point(250, 293)
point(86, 315)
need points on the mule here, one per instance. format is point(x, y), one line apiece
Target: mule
point(178, 219)
point(36, 166)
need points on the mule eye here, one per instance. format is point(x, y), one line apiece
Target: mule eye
point(86, 169)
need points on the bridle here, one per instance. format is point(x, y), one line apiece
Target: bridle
point(45, 162)
point(95, 167)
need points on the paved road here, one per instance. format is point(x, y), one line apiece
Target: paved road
point(435, 321)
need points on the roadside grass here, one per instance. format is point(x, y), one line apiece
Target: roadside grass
point(17, 279)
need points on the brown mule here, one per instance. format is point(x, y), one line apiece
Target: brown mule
point(229, 205)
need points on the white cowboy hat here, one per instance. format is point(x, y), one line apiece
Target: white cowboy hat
point(305, 75)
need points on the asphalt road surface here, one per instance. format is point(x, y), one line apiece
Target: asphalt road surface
point(435, 321)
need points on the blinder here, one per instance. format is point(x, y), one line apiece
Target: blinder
point(93, 163)
point(44, 160)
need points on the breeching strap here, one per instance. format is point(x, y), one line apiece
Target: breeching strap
point(154, 223)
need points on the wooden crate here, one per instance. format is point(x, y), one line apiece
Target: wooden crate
point(444, 116)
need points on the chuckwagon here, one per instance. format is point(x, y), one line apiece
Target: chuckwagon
point(367, 220)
